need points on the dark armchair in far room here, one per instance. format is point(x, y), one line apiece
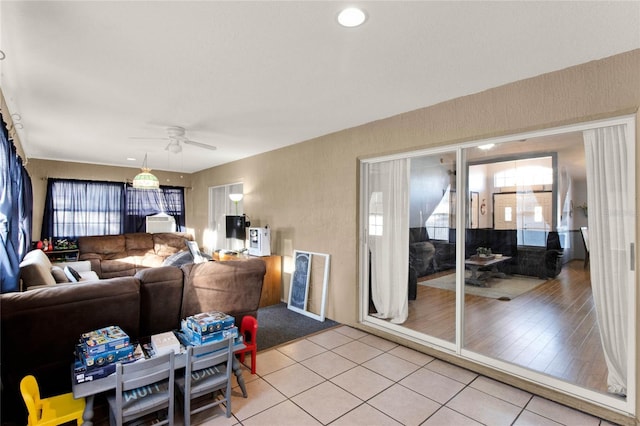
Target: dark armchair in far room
point(421, 252)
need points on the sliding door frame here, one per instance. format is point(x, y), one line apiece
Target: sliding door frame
point(623, 405)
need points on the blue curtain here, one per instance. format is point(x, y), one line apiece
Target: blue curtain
point(16, 206)
point(143, 202)
point(75, 208)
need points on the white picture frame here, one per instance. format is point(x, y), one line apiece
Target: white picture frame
point(301, 280)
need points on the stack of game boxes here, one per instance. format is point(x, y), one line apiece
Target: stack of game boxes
point(99, 351)
point(208, 327)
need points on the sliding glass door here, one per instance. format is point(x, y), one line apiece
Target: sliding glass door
point(511, 282)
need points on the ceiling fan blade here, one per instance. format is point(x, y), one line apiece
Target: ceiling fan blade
point(149, 139)
point(200, 144)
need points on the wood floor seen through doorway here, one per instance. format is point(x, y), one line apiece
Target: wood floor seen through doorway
point(551, 329)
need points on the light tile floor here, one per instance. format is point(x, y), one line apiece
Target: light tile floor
point(344, 376)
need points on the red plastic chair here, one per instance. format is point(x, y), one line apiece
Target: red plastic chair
point(249, 332)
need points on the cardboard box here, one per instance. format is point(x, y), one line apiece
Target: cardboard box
point(82, 373)
point(106, 357)
point(164, 343)
point(104, 339)
point(210, 322)
point(196, 339)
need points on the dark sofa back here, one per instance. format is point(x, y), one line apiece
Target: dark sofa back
point(160, 299)
point(40, 328)
point(502, 241)
point(232, 286)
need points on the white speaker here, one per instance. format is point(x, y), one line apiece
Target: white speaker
point(259, 241)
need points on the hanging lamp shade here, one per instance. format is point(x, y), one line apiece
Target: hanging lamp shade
point(146, 180)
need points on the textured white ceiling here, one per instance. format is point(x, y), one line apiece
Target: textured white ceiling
point(87, 78)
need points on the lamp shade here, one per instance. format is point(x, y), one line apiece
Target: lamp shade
point(235, 197)
point(145, 180)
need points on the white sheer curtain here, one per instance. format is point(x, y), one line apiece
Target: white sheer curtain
point(389, 209)
point(611, 224)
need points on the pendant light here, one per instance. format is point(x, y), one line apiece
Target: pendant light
point(145, 180)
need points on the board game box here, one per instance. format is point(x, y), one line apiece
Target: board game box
point(82, 373)
point(104, 339)
point(107, 357)
point(194, 338)
point(210, 322)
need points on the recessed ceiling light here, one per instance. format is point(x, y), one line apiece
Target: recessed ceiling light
point(131, 159)
point(351, 17)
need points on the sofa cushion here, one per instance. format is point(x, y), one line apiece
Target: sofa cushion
point(118, 267)
point(59, 275)
point(167, 243)
point(178, 259)
point(35, 269)
point(138, 242)
point(105, 245)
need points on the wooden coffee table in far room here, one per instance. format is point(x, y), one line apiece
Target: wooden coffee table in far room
point(475, 263)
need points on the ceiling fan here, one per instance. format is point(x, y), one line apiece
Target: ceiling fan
point(176, 137)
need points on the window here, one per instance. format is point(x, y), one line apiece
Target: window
point(439, 222)
point(77, 208)
point(507, 214)
point(524, 173)
point(220, 206)
point(375, 214)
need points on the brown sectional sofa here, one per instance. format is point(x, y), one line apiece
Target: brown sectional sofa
point(40, 327)
point(126, 254)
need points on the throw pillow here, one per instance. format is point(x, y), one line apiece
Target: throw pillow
point(178, 259)
point(72, 274)
point(59, 275)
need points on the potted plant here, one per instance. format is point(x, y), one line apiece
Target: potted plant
point(483, 252)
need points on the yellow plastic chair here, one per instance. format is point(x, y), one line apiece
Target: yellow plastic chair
point(50, 411)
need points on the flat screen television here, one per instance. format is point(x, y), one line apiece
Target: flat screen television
point(237, 227)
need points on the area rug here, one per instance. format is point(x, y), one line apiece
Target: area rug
point(278, 325)
point(499, 288)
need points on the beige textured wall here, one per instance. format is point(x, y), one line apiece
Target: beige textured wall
point(40, 170)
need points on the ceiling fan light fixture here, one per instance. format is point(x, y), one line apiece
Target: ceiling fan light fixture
point(174, 147)
point(146, 180)
point(351, 17)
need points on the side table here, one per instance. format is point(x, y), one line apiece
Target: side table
point(63, 255)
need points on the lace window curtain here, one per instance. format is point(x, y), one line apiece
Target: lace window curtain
point(611, 218)
point(390, 246)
